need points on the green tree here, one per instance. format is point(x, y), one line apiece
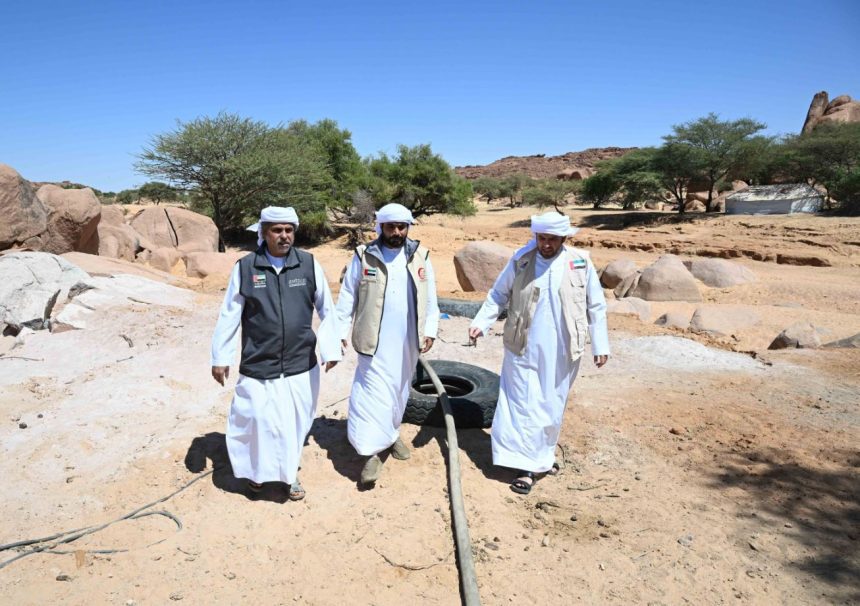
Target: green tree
point(677, 165)
point(158, 192)
point(489, 188)
point(237, 166)
point(723, 145)
point(828, 156)
point(600, 187)
point(548, 192)
point(420, 180)
point(638, 178)
point(513, 186)
point(127, 196)
point(342, 161)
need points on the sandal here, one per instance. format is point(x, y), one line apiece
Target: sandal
point(554, 470)
point(520, 486)
point(295, 491)
point(254, 487)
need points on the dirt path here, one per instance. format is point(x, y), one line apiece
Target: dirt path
point(695, 474)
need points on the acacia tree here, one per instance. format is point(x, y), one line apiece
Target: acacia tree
point(420, 180)
point(677, 164)
point(236, 166)
point(723, 145)
point(157, 192)
point(637, 176)
point(599, 188)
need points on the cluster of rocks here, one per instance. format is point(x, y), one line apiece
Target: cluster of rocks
point(840, 110)
point(57, 220)
point(669, 278)
point(569, 166)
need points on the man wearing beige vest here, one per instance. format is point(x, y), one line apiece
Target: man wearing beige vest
point(554, 301)
point(390, 291)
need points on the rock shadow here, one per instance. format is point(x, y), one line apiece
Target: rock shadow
point(213, 446)
point(617, 220)
point(821, 505)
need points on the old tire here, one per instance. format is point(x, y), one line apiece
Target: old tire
point(472, 392)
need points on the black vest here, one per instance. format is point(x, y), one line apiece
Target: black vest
point(277, 339)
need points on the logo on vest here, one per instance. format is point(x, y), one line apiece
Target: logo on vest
point(370, 271)
point(577, 264)
point(422, 275)
point(258, 280)
point(296, 282)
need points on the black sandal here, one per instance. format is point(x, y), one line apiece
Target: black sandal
point(254, 487)
point(520, 486)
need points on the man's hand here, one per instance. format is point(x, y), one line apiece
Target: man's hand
point(330, 365)
point(428, 343)
point(600, 360)
point(220, 373)
point(474, 333)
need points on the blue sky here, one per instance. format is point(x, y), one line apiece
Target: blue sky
point(87, 84)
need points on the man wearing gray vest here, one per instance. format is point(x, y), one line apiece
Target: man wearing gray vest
point(554, 301)
point(390, 291)
point(272, 294)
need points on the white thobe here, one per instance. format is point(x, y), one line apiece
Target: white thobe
point(270, 418)
point(534, 386)
point(380, 388)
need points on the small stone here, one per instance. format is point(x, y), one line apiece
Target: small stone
point(675, 431)
point(40, 415)
point(526, 548)
point(229, 576)
point(130, 603)
point(176, 596)
point(63, 577)
point(497, 540)
point(604, 535)
point(545, 542)
point(22, 425)
point(686, 540)
point(637, 477)
point(601, 567)
point(573, 518)
point(70, 479)
point(788, 525)
point(752, 545)
point(491, 546)
point(601, 523)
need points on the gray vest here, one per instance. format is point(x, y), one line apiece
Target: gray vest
point(277, 339)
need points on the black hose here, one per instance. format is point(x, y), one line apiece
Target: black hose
point(468, 576)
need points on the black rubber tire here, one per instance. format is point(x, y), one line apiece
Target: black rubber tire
point(466, 309)
point(472, 392)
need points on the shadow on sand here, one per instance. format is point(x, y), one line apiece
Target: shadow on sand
point(821, 504)
point(213, 446)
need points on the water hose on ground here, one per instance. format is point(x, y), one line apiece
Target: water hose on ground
point(468, 577)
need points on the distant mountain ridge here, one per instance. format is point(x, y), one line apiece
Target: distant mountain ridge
point(541, 166)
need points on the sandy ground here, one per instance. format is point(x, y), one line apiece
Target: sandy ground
point(695, 473)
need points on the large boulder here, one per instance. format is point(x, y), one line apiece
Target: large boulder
point(630, 306)
point(176, 227)
point(666, 280)
point(800, 335)
point(478, 264)
point(843, 109)
point(722, 320)
point(615, 273)
point(120, 241)
point(112, 214)
point(72, 220)
point(719, 273)
point(165, 258)
point(209, 264)
point(33, 282)
point(25, 218)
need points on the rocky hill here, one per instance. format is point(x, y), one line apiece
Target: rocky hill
point(572, 165)
point(841, 110)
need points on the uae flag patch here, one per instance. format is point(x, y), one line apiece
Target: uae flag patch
point(258, 280)
point(577, 264)
point(370, 271)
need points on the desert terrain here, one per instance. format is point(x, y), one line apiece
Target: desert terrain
point(698, 470)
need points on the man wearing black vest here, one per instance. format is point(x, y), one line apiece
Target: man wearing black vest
point(271, 295)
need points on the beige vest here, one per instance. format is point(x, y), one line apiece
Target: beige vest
point(371, 294)
point(524, 297)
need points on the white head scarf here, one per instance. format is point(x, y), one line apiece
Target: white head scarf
point(552, 223)
point(393, 213)
point(274, 214)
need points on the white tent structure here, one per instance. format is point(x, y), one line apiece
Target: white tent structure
point(775, 200)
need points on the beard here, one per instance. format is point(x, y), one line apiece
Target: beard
point(393, 241)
